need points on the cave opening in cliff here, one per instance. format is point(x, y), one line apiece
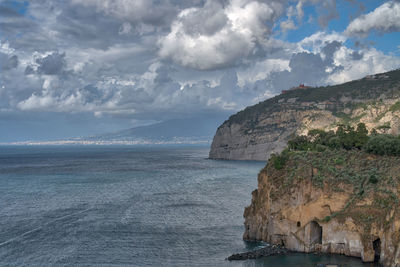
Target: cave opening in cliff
point(315, 233)
point(377, 248)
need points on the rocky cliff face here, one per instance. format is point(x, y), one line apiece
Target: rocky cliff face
point(258, 131)
point(342, 202)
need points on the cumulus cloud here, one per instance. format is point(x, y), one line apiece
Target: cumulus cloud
point(161, 60)
point(358, 64)
point(385, 18)
point(307, 67)
point(217, 36)
point(323, 59)
point(52, 63)
point(317, 41)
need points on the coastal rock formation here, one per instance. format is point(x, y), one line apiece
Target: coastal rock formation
point(257, 131)
point(267, 251)
point(342, 202)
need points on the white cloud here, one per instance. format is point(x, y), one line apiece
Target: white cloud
point(125, 29)
point(261, 70)
point(315, 42)
point(5, 48)
point(36, 102)
point(292, 12)
point(354, 64)
point(372, 61)
point(299, 9)
point(288, 25)
point(222, 35)
point(385, 18)
point(218, 103)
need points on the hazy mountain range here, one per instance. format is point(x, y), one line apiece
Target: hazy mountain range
point(178, 130)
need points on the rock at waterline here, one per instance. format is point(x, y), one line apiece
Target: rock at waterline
point(262, 252)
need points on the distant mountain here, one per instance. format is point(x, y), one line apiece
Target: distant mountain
point(189, 130)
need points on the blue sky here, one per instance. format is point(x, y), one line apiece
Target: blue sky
point(77, 68)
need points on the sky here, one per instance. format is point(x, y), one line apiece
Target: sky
point(78, 68)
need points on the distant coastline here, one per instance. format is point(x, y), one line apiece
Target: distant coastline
point(104, 142)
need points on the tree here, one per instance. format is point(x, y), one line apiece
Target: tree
point(361, 136)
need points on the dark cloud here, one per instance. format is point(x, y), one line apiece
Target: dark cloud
point(84, 27)
point(8, 12)
point(308, 68)
point(151, 12)
point(356, 55)
point(10, 63)
point(91, 93)
point(52, 64)
point(13, 27)
point(29, 70)
point(329, 50)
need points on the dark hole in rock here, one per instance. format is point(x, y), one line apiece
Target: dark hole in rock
point(298, 224)
point(377, 248)
point(315, 233)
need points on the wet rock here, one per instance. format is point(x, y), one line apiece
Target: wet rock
point(258, 253)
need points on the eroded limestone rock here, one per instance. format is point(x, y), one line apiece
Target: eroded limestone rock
point(314, 205)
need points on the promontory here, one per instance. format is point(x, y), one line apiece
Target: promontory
point(257, 131)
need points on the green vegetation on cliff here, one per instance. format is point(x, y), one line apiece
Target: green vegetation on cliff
point(372, 181)
point(348, 160)
point(346, 137)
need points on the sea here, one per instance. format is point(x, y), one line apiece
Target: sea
point(128, 206)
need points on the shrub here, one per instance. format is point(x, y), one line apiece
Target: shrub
point(320, 148)
point(299, 143)
point(326, 219)
point(346, 137)
point(384, 126)
point(339, 161)
point(373, 179)
point(383, 145)
point(280, 160)
point(395, 107)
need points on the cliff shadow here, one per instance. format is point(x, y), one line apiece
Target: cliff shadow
point(377, 248)
point(315, 233)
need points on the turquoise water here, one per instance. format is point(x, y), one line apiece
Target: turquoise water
point(127, 206)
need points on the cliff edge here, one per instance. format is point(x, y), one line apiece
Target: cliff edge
point(257, 131)
point(336, 201)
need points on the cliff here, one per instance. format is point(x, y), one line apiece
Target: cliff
point(257, 131)
point(336, 201)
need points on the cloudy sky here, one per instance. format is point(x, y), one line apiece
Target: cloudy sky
point(76, 68)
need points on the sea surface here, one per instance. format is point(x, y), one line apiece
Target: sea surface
point(128, 206)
